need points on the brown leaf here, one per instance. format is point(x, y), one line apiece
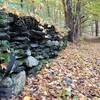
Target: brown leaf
point(27, 98)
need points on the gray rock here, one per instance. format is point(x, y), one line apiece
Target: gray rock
point(21, 39)
point(49, 43)
point(39, 57)
point(53, 43)
point(34, 45)
point(45, 55)
point(31, 61)
point(28, 52)
point(5, 93)
point(7, 82)
point(15, 83)
point(56, 43)
point(4, 36)
point(68, 81)
point(18, 82)
point(61, 44)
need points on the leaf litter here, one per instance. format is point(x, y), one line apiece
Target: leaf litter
point(73, 75)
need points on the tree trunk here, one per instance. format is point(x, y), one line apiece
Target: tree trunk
point(73, 21)
point(96, 27)
point(78, 17)
point(47, 6)
point(92, 29)
point(70, 21)
point(21, 1)
point(65, 12)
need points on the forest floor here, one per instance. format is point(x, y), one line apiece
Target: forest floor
point(73, 75)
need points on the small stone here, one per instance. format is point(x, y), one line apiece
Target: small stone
point(34, 45)
point(52, 43)
point(61, 44)
point(56, 43)
point(68, 81)
point(28, 52)
point(98, 62)
point(39, 57)
point(7, 82)
point(31, 61)
point(49, 43)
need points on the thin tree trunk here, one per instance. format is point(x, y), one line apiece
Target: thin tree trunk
point(48, 9)
point(77, 28)
point(70, 21)
point(96, 27)
point(65, 12)
point(92, 29)
point(21, 1)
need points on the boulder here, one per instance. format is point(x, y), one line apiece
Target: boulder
point(13, 84)
point(18, 82)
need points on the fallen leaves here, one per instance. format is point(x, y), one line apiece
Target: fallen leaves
point(27, 98)
point(74, 75)
point(3, 66)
